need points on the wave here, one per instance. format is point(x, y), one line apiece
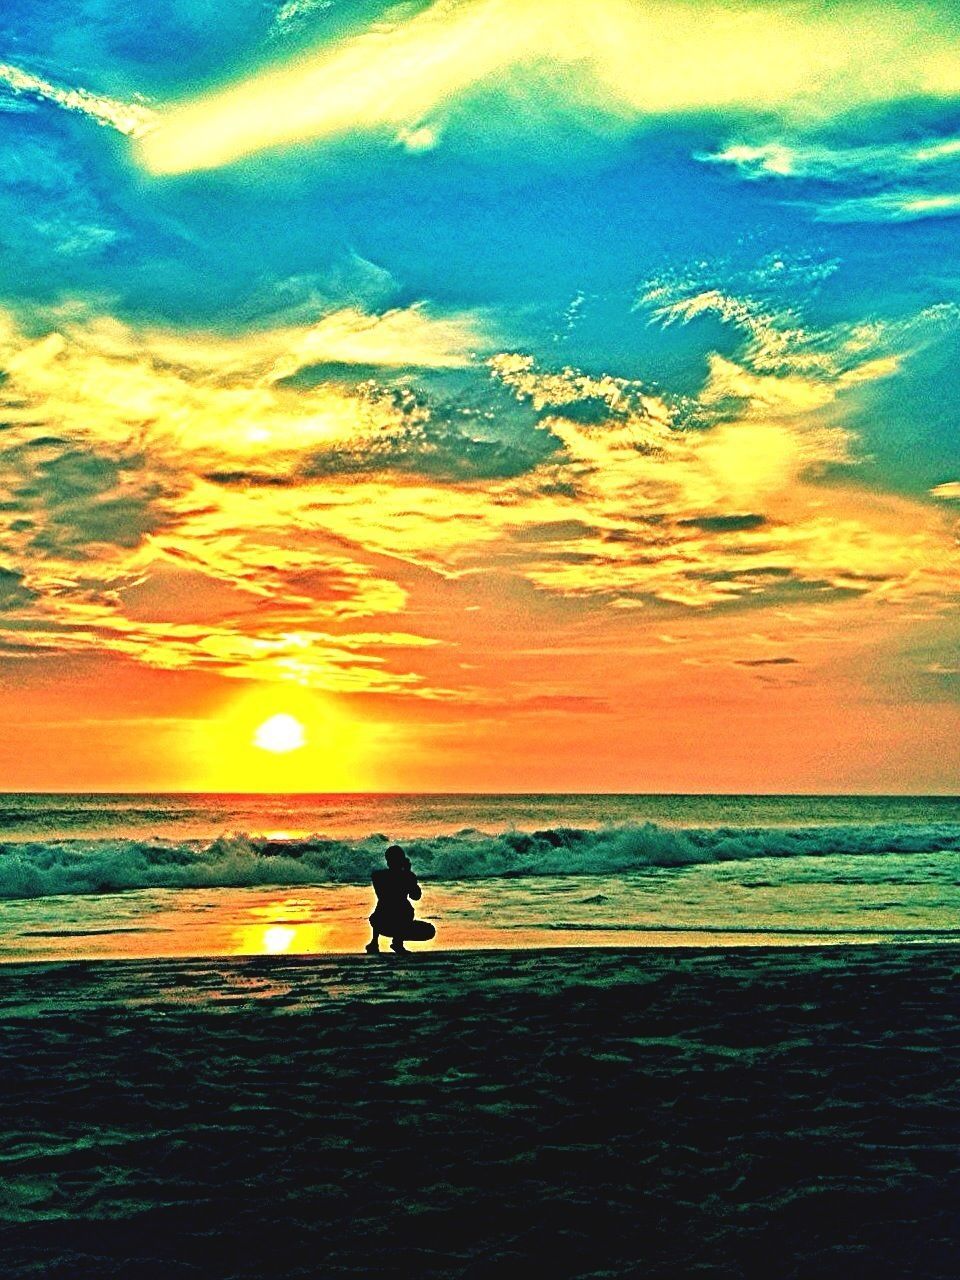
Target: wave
point(40, 868)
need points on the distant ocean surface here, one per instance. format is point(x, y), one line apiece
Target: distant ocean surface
point(140, 875)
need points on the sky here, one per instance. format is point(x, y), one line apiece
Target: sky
point(518, 395)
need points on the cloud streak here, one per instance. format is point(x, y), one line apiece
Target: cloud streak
point(133, 119)
point(791, 158)
point(912, 176)
point(617, 62)
point(895, 206)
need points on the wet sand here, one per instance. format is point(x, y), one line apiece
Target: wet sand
point(590, 1113)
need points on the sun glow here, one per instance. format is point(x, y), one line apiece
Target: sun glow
point(284, 737)
point(281, 733)
point(277, 939)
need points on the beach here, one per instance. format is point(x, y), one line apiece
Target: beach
point(784, 1112)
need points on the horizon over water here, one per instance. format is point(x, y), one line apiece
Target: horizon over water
point(26, 811)
point(122, 874)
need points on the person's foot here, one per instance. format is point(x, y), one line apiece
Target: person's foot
point(399, 948)
point(372, 948)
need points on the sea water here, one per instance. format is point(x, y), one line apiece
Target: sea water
point(86, 876)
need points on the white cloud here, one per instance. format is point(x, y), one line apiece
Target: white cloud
point(131, 118)
point(778, 343)
point(896, 206)
point(793, 158)
point(419, 138)
point(224, 396)
point(891, 166)
point(147, 470)
point(294, 13)
point(740, 513)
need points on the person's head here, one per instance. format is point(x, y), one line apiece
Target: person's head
point(397, 860)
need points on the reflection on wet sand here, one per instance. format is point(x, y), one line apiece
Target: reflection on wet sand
point(289, 926)
point(694, 908)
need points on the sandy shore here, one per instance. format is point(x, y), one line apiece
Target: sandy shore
point(787, 1113)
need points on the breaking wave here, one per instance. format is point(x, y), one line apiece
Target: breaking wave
point(36, 869)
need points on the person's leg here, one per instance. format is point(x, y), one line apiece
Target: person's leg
point(397, 944)
point(373, 946)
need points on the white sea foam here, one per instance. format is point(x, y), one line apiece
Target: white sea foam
point(39, 868)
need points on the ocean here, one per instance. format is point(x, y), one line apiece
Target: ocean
point(101, 876)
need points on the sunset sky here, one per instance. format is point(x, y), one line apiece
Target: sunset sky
point(517, 394)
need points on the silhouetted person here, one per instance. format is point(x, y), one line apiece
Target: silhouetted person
point(394, 886)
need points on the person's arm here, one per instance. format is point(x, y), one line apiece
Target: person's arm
point(414, 890)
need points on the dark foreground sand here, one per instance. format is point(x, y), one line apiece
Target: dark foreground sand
point(788, 1113)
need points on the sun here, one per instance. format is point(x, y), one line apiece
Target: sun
point(279, 734)
point(277, 939)
point(287, 738)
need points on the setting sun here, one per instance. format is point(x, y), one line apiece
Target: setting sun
point(279, 734)
point(277, 939)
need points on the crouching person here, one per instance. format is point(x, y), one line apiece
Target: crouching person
point(393, 916)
